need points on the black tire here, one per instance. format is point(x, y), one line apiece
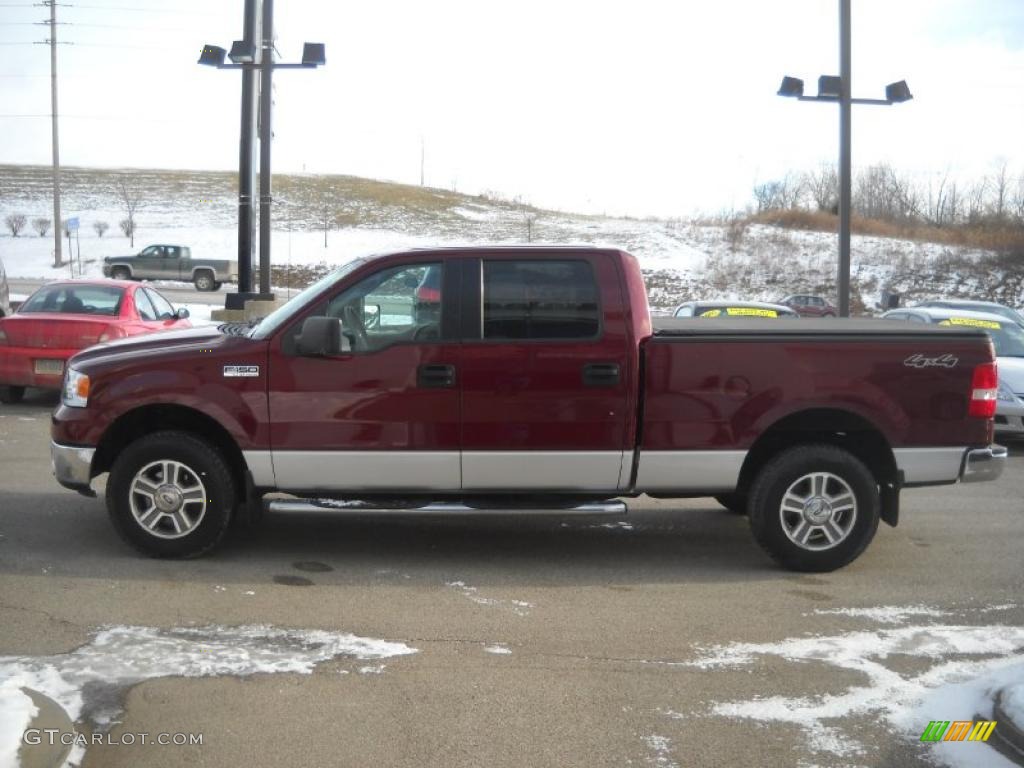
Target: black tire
point(216, 286)
point(9, 395)
point(202, 464)
point(204, 281)
point(791, 470)
point(734, 502)
point(121, 273)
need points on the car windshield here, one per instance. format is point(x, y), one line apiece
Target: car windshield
point(282, 314)
point(75, 299)
point(1007, 338)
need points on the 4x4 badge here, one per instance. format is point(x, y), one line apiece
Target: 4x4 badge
point(237, 371)
point(920, 361)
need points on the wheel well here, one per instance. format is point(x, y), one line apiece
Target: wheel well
point(153, 418)
point(823, 425)
point(198, 270)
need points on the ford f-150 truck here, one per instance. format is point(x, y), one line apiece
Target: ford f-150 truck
point(529, 380)
point(172, 262)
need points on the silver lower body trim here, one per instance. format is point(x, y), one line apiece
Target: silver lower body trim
point(686, 471)
point(544, 470)
point(365, 470)
point(261, 467)
point(72, 465)
point(929, 465)
point(984, 464)
point(613, 507)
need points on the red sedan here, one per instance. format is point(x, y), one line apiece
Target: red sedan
point(61, 318)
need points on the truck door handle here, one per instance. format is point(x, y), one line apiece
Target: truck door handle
point(435, 376)
point(601, 374)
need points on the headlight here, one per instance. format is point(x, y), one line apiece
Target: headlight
point(1005, 394)
point(76, 389)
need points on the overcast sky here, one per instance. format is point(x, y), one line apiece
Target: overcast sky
point(640, 107)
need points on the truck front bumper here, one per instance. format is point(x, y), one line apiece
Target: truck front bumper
point(72, 466)
point(983, 464)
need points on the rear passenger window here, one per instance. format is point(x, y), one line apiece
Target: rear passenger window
point(540, 300)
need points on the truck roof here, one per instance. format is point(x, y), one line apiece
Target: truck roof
point(534, 249)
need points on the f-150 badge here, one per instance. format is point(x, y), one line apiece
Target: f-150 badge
point(241, 371)
point(920, 361)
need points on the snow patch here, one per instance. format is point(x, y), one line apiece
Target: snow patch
point(518, 607)
point(662, 748)
point(89, 681)
point(16, 713)
point(883, 614)
point(984, 658)
point(498, 649)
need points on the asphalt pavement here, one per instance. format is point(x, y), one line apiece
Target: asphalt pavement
point(661, 639)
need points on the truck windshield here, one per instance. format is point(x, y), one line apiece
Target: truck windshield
point(282, 314)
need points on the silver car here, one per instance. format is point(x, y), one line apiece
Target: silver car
point(1008, 339)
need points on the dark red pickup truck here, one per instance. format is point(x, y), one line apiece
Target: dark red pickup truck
point(526, 380)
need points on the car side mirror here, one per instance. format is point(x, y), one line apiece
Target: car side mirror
point(181, 313)
point(321, 337)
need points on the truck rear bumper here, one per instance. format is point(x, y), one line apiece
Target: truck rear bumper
point(983, 464)
point(72, 465)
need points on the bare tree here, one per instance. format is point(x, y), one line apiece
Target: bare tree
point(16, 222)
point(326, 217)
point(999, 184)
point(101, 227)
point(779, 195)
point(530, 220)
point(823, 187)
point(41, 226)
point(130, 194)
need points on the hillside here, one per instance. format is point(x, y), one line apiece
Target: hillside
point(680, 260)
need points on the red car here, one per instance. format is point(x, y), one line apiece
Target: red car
point(62, 318)
point(809, 306)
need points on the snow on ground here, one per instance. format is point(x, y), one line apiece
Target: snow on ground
point(518, 607)
point(1013, 702)
point(498, 649)
point(883, 614)
point(16, 713)
point(960, 668)
point(88, 682)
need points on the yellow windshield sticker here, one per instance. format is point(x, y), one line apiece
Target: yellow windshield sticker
point(751, 312)
point(711, 313)
point(971, 322)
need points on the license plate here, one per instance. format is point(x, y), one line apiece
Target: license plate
point(49, 367)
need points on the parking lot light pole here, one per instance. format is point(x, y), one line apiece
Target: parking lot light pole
point(252, 59)
point(838, 90)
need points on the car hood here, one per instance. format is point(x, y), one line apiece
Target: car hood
point(1011, 372)
point(203, 340)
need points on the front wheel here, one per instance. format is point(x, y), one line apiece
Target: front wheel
point(170, 494)
point(9, 395)
point(814, 508)
point(204, 281)
point(120, 273)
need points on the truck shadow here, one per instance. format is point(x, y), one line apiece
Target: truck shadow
point(69, 536)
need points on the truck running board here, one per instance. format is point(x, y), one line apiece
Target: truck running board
point(610, 507)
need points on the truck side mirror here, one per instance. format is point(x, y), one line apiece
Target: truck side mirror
point(321, 337)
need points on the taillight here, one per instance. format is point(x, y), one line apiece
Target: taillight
point(984, 391)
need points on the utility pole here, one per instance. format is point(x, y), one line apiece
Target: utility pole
point(247, 155)
point(57, 255)
point(845, 172)
point(266, 134)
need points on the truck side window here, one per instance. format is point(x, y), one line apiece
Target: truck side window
point(540, 300)
point(400, 304)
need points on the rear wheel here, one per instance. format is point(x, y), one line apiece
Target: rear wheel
point(9, 395)
point(204, 281)
point(170, 494)
point(121, 273)
point(814, 508)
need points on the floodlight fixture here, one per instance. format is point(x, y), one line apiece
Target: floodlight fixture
point(242, 52)
point(313, 54)
point(791, 86)
point(897, 93)
point(212, 56)
point(830, 87)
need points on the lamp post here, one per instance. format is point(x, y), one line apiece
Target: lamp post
point(837, 90)
point(252, 59)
